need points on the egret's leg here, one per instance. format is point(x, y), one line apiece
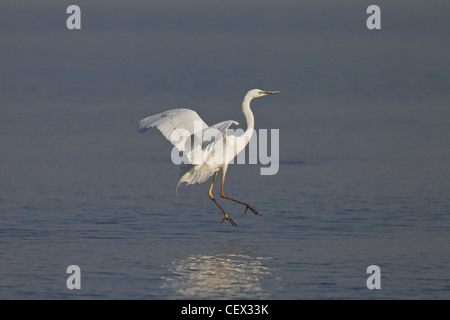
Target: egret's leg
point(227, 217)
point(227, 197)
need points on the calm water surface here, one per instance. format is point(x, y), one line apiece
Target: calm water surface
point(364, 173)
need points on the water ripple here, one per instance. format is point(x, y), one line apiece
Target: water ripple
point(222, 276)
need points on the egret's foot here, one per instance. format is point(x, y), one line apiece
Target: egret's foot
point(227, 217)
point(251, 208)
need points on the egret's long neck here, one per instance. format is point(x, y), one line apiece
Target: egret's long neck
point(248, 115)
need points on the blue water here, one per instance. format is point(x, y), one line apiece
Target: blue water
point(364, 174)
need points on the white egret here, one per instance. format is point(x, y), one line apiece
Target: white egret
point(208, 149)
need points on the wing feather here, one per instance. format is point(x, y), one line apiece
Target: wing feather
point(172, 121)
point(197, 140)
point(202, 143)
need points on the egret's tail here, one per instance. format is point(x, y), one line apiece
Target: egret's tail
point(196, 174)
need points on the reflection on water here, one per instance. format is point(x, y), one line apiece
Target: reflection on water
point(221, 276)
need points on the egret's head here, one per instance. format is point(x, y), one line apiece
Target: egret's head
point(256, 93)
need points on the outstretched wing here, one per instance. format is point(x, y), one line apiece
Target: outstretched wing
point(171, 122)
point(202, 143)
point(187, 132)
point(214, 133)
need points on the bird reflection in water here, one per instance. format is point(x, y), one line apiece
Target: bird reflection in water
point(222, 276)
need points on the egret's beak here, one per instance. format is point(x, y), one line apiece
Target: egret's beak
point(271, 92)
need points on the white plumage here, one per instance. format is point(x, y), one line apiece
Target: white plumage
point(208, 149)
